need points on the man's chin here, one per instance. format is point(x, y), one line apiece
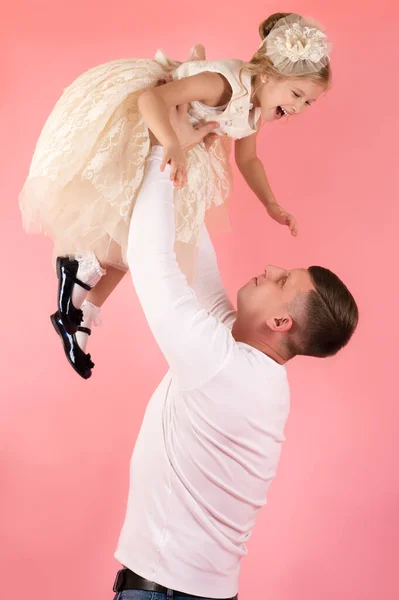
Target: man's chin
point(243, 292)
point(245, 287)
point(241, 295)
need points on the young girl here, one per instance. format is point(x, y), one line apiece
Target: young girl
point(90, 158)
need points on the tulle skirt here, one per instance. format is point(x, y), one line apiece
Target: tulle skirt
point(89, 162)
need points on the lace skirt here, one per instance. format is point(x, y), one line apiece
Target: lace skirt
point(90, 159)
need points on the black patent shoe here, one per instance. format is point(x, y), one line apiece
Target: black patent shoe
point(66, 273)
point(78, 360)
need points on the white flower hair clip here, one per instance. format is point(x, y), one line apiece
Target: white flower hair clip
point(296, 46)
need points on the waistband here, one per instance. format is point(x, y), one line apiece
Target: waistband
point(127, 580)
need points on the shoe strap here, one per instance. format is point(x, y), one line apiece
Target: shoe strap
point(85, 330)
point(76, 280)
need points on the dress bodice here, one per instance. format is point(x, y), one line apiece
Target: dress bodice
point(237, 118)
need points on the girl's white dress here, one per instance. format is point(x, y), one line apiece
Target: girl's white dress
point(90, 158)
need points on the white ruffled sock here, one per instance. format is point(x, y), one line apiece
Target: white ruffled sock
point(90, 272)
point(91, 316)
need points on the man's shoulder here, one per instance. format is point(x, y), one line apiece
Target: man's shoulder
point(249, 383)
point(246, 363)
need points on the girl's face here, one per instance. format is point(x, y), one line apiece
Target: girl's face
point(289, 96)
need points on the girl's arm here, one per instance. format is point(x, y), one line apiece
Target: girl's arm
point(251, 168)
point(155, 104)
point(254, 174)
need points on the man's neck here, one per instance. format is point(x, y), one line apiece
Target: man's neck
point(264, 346)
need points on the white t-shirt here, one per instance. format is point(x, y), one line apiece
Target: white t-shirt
point(211, 437)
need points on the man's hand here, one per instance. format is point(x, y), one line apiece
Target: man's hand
point(188, 135)
point(181, 123)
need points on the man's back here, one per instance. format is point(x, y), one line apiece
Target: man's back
point(200, 472)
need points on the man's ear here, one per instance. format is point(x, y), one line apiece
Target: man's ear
point(280, 324)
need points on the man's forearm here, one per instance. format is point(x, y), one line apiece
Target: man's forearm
point(208, 285)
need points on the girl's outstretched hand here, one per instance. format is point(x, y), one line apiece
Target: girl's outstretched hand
point(280, 215)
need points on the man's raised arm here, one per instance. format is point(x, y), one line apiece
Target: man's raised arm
point(195, 343)
point(208, 286)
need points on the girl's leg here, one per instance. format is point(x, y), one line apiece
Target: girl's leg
point(83, 278)
point(104, 288)
point(95, 299)
point(84, 285)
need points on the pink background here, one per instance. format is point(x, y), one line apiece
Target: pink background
point(330, 530)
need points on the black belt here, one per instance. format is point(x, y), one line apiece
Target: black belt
point(127, 580)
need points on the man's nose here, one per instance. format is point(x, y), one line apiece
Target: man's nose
point(273, 272)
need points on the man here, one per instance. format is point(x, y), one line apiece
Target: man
point(211, 437)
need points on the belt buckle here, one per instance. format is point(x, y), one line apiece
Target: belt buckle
point(119, 581)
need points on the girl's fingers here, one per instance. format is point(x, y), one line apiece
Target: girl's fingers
point(293, 227)
point(291, 224)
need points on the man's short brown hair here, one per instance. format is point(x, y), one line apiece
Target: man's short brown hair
point(330, 317)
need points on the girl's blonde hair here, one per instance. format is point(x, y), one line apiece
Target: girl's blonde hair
point(261, 64)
